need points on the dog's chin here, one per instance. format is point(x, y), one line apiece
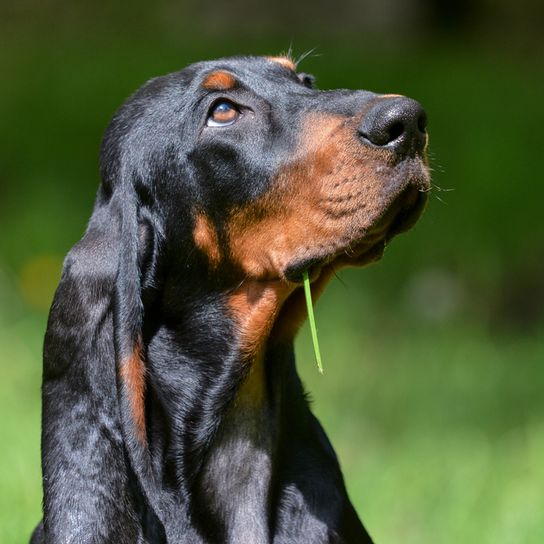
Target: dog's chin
point(369, 248)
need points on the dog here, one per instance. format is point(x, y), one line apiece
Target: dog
point(172, 407)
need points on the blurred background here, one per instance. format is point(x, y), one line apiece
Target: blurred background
point(434, 358)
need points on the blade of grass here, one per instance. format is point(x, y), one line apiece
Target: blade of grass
point(311, 319)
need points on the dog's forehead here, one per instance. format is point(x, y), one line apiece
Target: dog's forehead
point(262, 74)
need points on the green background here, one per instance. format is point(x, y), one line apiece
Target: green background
point(432, 393)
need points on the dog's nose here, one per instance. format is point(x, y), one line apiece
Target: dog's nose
point(395, 123)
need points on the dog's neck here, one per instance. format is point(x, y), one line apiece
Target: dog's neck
point(230, 433)
point(222, 385)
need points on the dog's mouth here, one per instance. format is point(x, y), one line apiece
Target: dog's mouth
point(399, 217)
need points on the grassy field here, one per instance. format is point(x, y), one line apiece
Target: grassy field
point(440, 430)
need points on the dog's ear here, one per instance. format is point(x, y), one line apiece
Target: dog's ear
point(125, 170)
point(94, 361)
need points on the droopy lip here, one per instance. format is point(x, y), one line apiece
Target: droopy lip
point(399, 217)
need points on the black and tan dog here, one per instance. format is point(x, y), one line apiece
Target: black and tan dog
point(172, 408)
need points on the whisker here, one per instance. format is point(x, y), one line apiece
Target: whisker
point(232, 289)
point(442, 189)
point(305, 55)
point(344, 284)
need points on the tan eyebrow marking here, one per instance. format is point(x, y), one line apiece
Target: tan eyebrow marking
point(220, 81)
point(286, 62)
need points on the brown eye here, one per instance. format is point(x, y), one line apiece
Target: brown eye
point(222, 114)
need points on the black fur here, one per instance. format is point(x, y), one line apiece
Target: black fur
point(209, 471)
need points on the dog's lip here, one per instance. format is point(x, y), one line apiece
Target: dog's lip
point(363, 253)
point(399, 217)
point(412, 203)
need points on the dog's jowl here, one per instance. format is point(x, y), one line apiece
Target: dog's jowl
point(172, 408)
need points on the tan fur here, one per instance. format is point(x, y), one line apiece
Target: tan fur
point(286, 62)
point(205, 237)
point(132, 373)
point(255, 306)
point(219, 81)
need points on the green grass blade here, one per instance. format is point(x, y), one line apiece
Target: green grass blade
point(311, 318)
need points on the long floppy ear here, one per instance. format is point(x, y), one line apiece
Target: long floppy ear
point(138, 253)
point(127, 321)
point(94, 380)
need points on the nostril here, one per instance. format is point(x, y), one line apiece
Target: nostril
point(398, 124)
point(395, 131)
point(384, 134)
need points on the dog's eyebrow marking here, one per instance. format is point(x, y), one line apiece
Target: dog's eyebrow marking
point(286, 62)
point(219, 81)
point(132, 371)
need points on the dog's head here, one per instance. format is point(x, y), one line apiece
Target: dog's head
point(250, 176)
point(277, 177)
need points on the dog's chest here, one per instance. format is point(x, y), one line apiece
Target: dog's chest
point(236, 479)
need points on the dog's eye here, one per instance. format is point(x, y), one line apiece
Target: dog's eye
point(222, 114)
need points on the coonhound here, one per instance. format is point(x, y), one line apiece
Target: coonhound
point(172, 408)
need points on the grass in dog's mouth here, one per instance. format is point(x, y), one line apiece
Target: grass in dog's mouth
point(311, 319)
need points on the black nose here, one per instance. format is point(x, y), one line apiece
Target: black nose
point(395, 123)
